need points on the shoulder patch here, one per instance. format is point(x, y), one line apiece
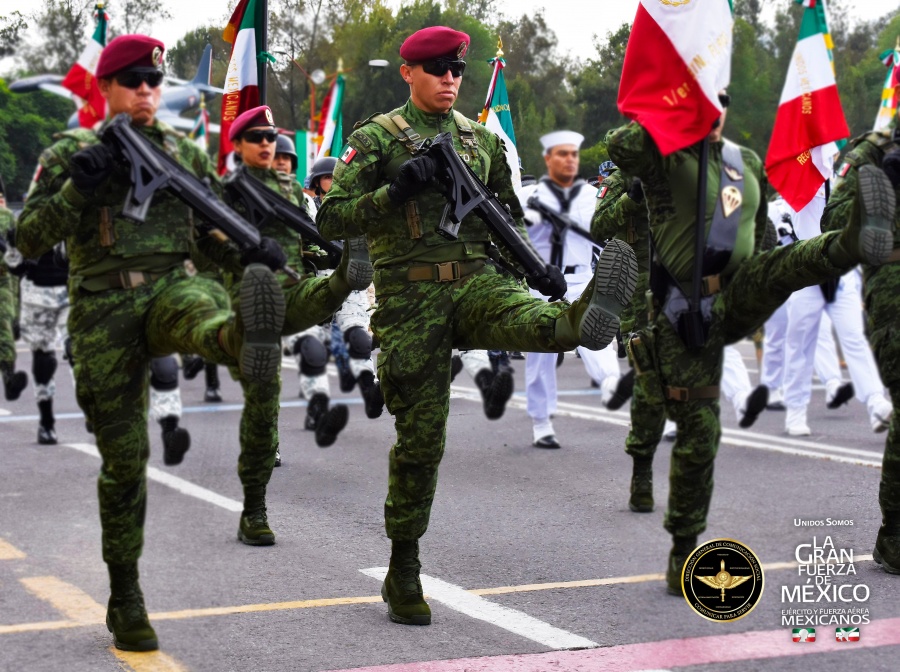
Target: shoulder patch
point(601, 192)
point(348, 155)
point(844, 169)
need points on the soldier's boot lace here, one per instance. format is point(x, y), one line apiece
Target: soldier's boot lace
point(371, 394)
point(359, 267)
point(402, 588)
point(873, 241)
point(254, 337)
point(211, 374)
point(641, 500)
point(593, 318)
point(887, 544)
point(176, 440)
point(46, 432)
point(13, 381)
point(681, 550)
point(126, 615)
point(254, 527)
point(496, 389)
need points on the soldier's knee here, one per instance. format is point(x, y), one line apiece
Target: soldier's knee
point(164, 373)
point(359, 343)
point(125, 450)
point(313, 355)
point(43, 366)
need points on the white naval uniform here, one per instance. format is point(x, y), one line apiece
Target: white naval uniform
point(578, 257)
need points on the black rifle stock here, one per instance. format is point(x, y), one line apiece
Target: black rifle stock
point(465, 194)
point(152, 170)
point(263, 205)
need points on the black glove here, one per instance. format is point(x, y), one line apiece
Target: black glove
point(636, 190)
point(890, 164)
point(552, 284)
point(268, 252)
point(413, 176)
point(90, 167)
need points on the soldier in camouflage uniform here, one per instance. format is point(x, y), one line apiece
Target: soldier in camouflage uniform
point(13, 381)
point(737, 298)
point(131, 300)
point(861, 192)
point(435, 294)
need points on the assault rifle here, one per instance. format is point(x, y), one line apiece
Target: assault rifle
point(152, 170)
point(560, 222)
point(263, 205)
point(465, 194)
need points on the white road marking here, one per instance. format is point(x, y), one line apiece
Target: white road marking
point(477, 607)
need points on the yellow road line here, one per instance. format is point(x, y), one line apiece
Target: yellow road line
point(149, 661)
point(69, 600)
point(10, 552)
point(275, 606)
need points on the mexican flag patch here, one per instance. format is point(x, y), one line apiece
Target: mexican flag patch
point(348, 155)
point(602, 192)
point(844, 169)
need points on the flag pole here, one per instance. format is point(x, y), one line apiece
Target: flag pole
point(498, 66)
point(263, 13)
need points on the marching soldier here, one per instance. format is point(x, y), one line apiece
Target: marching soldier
point(435, 293)
point(13, 381)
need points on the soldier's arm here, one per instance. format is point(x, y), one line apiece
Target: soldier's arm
point(842, 206)
point(632, 149)
point(614, 208)
point(53, 206)
point(358, 195)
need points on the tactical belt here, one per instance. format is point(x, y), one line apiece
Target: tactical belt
point(123, 280)
point(447, 271)
point(692, 393)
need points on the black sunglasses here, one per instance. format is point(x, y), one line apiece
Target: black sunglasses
point(439, 66)
point(256, 136)
point(131, 79)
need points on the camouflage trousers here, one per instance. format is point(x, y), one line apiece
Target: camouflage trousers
point(882, 291)
point(114, 335)
point(418, 325)
point(8, 301)
point(752, 294)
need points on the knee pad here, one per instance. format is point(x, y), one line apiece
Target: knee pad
point(313, 356)
point(359, 343)
point(43, 366)
point(164, 373)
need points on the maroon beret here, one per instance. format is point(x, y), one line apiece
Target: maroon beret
point(255, 116)
point(130, 52)
point(434, 42)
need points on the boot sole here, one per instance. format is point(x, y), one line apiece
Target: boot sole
point(263, 540)
point(878, 202)
point(334, 420)
point(142, 645)
point(500, 391)
point(262, 311)
point(756, 404)
point(402, 620)
point(640, 508)
point(178, 444)
point(890, 569)
point(614, 281)
point(359, 269)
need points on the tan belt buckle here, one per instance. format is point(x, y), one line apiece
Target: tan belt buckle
point(447, 271)
point(678, 393)
point(132, 279)
point(712, 284)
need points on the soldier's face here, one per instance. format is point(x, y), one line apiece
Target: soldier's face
point(256, 154)
point(140, 103)
point(282, 163)
point(431, 93)
point(562, 164)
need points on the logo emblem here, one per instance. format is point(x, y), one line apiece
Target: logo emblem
point(269, 116)
point(846, 634)
point(461, 51)
point(803, 635)
point(156, 56)
point(731, 199)
point(733, 173)
point(722, 580)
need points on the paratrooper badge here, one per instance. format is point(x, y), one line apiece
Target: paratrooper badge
point(733, 173)
point(461, 51)
point(156, 56)
point(269, 117)
point(731, 199)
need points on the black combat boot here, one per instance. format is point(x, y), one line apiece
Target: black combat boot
point(191, 365)
point(13, 381)
point(254, 528)
point(176, 440)
point(402, 589)
point(887, 544)
point(345, 374)
point(456, 365)
point(126, 615)
point(495, 391)
point(371, 394)
point(315, 409)
point(212, 384)
point(641, 486)
point(330, 424)
point(622, 393)
point(681, 550)
point(46, 431)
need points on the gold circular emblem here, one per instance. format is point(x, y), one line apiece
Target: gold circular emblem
point(269, 116)
point(462, 50)
point(156, 56)
point(722, 580)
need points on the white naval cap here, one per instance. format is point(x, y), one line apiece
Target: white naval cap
point(556, 138)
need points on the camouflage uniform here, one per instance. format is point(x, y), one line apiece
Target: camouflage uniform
point(419, 318)
point(881, 291)
point(7, 298)
point(131, 300)
point(751, 289)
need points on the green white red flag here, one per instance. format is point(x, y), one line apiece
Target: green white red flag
point(497, 117)
point(677, 60)
point(245, 33)
point(200, 131)
point(330, 135)
point(810, 119)
point(80, 79)
point(891, 91)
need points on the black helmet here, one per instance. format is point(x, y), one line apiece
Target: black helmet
point(284, 145)
point(323, 166)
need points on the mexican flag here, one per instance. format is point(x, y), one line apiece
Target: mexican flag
point(245, 33)
point(497, 117)
point(891, 91)
point(330, 136)
point(810, 119)
point(80, 79)
point(677, 60)
point(200, 131)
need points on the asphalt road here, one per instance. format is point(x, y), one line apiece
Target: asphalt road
point(532, 560)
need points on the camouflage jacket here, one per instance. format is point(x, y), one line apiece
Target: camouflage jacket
point(670, 189)
point(7, 221)
point(98, 242)
point(617, 216)
point(358, 201)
